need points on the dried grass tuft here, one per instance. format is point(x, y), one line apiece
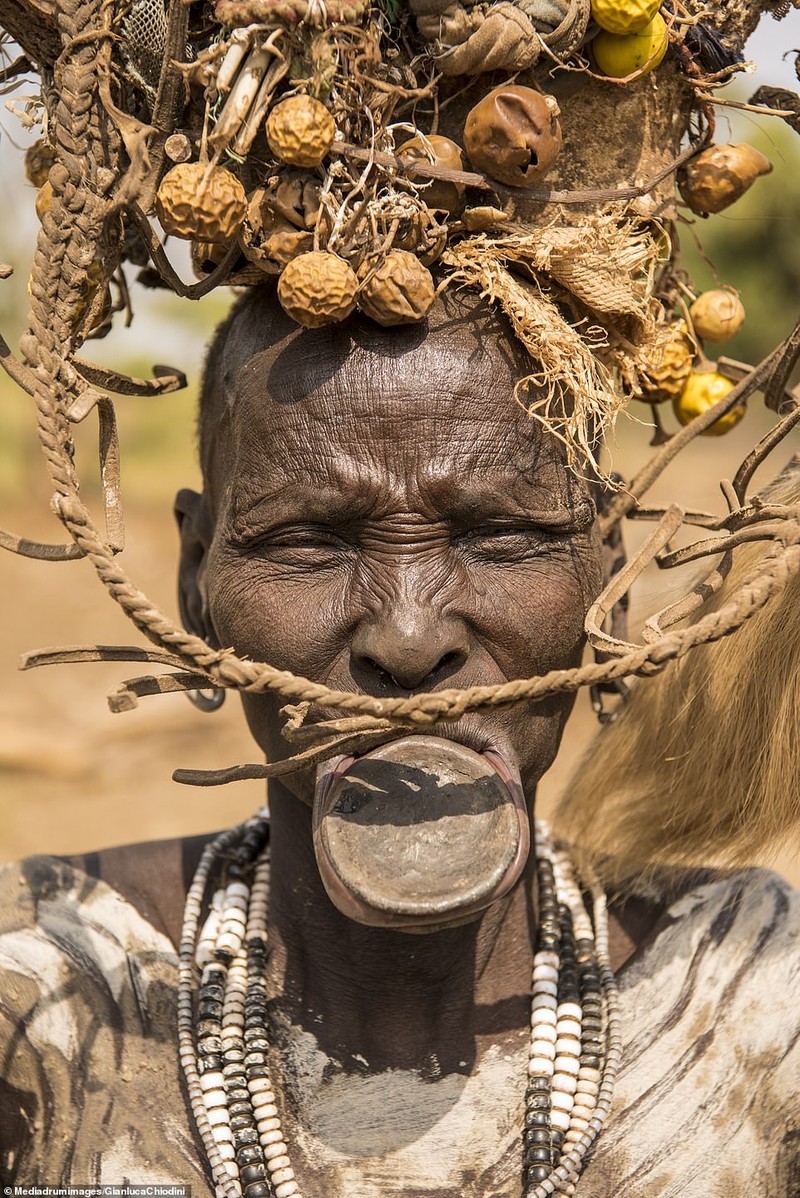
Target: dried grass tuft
point(580, 299)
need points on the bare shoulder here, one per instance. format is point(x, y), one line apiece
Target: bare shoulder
point(153, 876)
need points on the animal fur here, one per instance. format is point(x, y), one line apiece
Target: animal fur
point(703, 765)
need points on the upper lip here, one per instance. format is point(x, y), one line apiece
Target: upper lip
point(469, 730)
point(471, 733)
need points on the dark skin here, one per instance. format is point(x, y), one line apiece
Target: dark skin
point(381, 516)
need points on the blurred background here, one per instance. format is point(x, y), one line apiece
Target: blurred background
point(74, 777)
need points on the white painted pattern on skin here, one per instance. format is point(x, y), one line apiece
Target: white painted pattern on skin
point(707, 1104)
point(29, 953)
point(369, 1133)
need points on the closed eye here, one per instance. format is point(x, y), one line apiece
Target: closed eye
point(303, 546)
point(509, 542)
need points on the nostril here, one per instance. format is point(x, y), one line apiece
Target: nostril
point(384, 674)
point(410, 677)
point(450, 661)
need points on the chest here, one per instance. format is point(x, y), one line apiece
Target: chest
point(112, 1116)
point(405, 1134)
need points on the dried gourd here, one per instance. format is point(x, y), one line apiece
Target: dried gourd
point(201, 203)
point(513, 135)
point(399, 291)
point(318, 288)
point(300, 131)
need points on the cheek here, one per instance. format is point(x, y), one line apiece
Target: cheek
point(292, 624)
point(532, 618)
point(297, 624)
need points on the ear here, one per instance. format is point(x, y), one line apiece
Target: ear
point(194, 527)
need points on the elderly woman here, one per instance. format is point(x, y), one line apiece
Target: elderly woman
point(379, 515)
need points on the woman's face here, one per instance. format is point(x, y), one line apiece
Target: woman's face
point(381, 516)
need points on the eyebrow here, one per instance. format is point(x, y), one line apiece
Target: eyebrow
point(328, 504)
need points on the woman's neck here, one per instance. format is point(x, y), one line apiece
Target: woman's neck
point(391, 999)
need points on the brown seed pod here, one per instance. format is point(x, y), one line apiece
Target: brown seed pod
point(422, 234)
point(438, 193)
point(267, 238)
point(257, 218)
point(284, 243)
point(513, 135)
point(317, 289)
point(294, 195)
point(201, 203)
point(300, 131)
point(400, 291)
point(484, 219)
point(669, 367)
point(206, 255)
point(717, 315)
point(38, 159)
point(718, 176)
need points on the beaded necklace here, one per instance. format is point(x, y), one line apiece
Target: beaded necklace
point(223, 1025)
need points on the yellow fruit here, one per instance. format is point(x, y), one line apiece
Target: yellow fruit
point(715, 178)
point(702, 391)
point(201, 203)
point(717, 315)
point(400, 291)
point(438, 193)
point(300, 131)
point(669, 367)
point(619, 57)
point(624, 16)
point(317, 289)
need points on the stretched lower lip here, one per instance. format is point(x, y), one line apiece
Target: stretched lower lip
point(424, 857)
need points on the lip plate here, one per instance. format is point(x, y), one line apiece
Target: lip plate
point(364, 899)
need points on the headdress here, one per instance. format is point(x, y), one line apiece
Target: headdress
point(358, 155)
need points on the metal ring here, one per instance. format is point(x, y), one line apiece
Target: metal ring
point(210, 700)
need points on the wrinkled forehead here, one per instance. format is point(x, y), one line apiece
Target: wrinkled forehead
point(262, 344)
point(424, 398)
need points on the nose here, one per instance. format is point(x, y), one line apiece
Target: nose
point(409, 644)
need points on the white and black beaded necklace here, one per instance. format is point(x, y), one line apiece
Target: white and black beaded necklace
point(575, 1042)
